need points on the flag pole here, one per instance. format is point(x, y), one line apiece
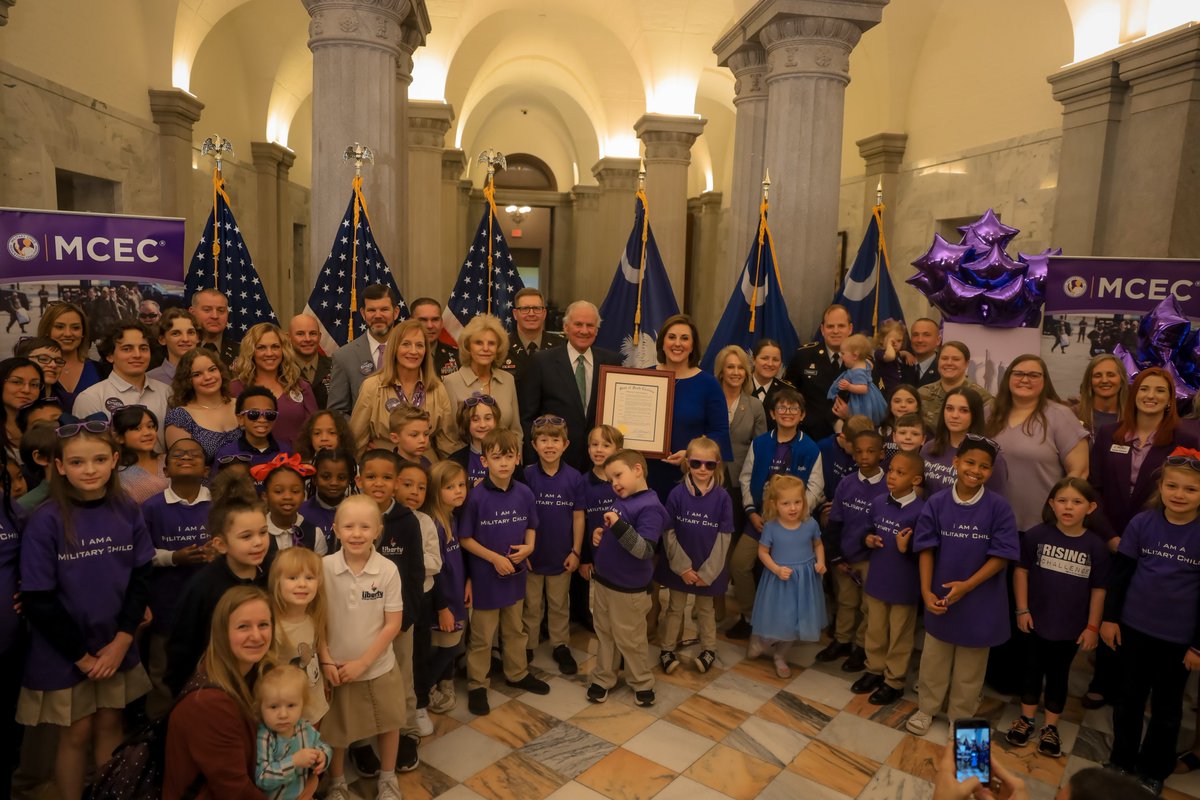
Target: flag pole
point(358, 153)
point(641, 194)
point(877, 213)
point(762, 231)
point(491, 158)
point(215, 146)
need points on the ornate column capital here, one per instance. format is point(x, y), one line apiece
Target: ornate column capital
point(710, 202)
point(272, 158)
point(362, 23)
point(883, 152)
point(749, 66)
point(428, 121)
point(585, 198)
point(668, 138)
point(616, 173)
point(454, 161)
point(809, 46)
point(174, 111)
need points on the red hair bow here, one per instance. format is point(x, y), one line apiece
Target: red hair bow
point(282, 461)
point(1186, 452)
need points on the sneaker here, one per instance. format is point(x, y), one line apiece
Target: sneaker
point(530, 684)
point(339, 791)
point(834, 651)
point(668, 661)
point(596, 693)
point(739, 630)
point(1152, 785)
point(885, 695)
point(442, 699)
point(1049, 744)
point(856, 662)
point(365, 762)
point(781, 667)
point(704, 661)
point(406, 754)
point(756, 647)
point(644, 698)
point(477, 702)
point(919, 723)
point(564, 659)
point(867, 683)
point(388, 790)
point(1019, 732)
point(424, 723)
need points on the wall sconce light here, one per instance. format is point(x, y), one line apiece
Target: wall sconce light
point(517, 214)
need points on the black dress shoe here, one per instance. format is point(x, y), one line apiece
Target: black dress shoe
point(857, 661)
point(867, 683)
point(834, 651)
point(530, 684)
point(564, 659)
point(885, 695)
point(477, 702)
point(739, 630)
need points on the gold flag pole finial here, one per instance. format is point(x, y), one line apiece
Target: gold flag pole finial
point(766, 185)
point(879, 192)
point(359, 154)
point(641, 175)
point(216, 146)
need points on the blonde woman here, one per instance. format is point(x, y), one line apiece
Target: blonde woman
point(266, 359)
point(408, 377)
point(482, 346)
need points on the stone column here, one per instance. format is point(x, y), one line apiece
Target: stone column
point(808, 44)
point(355, 44)
point(273, 251)
point(427, 126)
point(1093, 98)
point(618, 179)
point(589, 252)
point(710, 285)
point(668, 140)
point(454, 241)
point(749, 67)
point(883, 154)
point(176, 112)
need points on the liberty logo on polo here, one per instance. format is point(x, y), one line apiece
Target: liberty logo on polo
point(23, 247)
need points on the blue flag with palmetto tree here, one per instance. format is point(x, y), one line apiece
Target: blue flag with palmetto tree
point(867, 292)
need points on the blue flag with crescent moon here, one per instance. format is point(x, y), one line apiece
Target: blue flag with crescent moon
point(870, 278)
point(756, 309)
point(622, 329)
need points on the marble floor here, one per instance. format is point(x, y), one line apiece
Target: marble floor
point(737, 731)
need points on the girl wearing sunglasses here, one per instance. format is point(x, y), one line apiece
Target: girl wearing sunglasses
point(256, 414)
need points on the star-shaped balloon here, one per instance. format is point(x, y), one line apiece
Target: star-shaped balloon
point(989, 230)
point(992, 269)
point(1039, 264)
point(1166, 339)
point(942, 256)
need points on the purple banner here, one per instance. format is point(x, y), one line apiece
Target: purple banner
point(60, 245)
point(1121, 285)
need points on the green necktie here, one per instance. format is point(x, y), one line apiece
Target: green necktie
point(581, 380)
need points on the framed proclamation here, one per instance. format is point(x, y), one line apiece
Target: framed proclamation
point(638, 403)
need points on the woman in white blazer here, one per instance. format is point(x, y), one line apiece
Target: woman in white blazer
point(482, 346)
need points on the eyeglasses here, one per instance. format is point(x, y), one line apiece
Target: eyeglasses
point(45, 360)
point(149, 315)
point(542, 422)
point(89, 425)
point(696, 463)
point(1191, 462)
point(236, 458)
point(787, 409)
point(530, 309)
point(255, 414)
point(21, 383)
point(478, 398)
point(1022, 375)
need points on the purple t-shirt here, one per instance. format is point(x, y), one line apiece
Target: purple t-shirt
point(894, 577)
point(452, 580)
point(614, 563)
point(10, 558)
point(172, 526)
point(697, 522)
point(851, 506)
point(1063, 571)
point(476, 471)
point(782, 458)
point(1165, 591)
point(600, 498)
point(940, 472)
point(90, 579)
point(497, 519)
point(965, 537)
point(558, 497)
point(314, 511)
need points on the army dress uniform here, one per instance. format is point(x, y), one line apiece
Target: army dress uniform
point(812, 371)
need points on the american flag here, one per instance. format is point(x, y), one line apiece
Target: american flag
point(480, 289)
point(354, 263)
point(222, 261)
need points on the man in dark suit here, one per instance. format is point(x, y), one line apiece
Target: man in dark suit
point(813, 369)
point(363, 355)
point(529, 335)
point(304, 331)
point(211, 309)
point(925, 337)
point(551, 383)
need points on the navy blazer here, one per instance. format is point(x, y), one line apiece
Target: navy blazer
point(548, 387)
point(1109, 474)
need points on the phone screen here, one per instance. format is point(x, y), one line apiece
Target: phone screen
point(972, 750)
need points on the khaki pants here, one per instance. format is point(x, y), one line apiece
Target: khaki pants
point(741, 572)
point(402, 646)
point(557, 589)
point(890, 631)
point(483, 632)
point(706, 620)
point(948, 669)
point(851, 620)
point(159, 701)
point(620, 620)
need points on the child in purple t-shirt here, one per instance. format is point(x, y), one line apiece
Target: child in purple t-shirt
point(85, 571)
point(478, 416)
point(965, 537)
point(336, 470)
point(603, 441)
point(1150, 619)
point(1059, 591)
point(497, 529)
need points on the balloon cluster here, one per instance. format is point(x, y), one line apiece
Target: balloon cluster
point(1166, 339)
point(976, 282)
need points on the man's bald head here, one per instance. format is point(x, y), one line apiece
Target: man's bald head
point(305, 332)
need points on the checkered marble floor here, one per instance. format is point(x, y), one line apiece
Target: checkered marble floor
point(737, 731)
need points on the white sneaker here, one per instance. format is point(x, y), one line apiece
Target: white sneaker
point(424, 724)
point(755, 648)
point(441, 698)
point(340, 791)
point(388, 790)
point(919, 723)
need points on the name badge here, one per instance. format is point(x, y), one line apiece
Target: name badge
point(113, 404)
point(296, 395)
point(1119, 448)
point(367, 367)
point(392, 404)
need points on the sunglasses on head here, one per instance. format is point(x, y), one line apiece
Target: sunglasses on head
point(541, 422)
point(1184, 457)
point(89, 425)
point(476, 399)
point(255, 414)
point(697, 463)
point(236, 458)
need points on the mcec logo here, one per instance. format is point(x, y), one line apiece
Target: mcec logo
point(100, 248)
point(1075, 286)
point(23, 247)
point(1146, 288)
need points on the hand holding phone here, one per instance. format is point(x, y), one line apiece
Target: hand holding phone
point(972, 750)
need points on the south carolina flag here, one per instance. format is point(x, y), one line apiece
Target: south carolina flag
point(867, 292)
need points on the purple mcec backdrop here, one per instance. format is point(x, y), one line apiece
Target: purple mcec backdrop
point(1121, 285)
point(63, 246)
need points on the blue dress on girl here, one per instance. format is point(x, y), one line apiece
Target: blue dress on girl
point(791, 610)
point(871, 404)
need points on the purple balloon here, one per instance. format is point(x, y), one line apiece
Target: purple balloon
point(941, 256)
point(992, 269)
point(1038, 265)
point(1132, 368)
point(1005, 306)
point(958, 301)
point(989, 229)
point(926, 283)
point(1165, 328)
point(1183, 392)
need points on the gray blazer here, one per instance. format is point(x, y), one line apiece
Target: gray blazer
point(347, 374)
point(749, 420)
